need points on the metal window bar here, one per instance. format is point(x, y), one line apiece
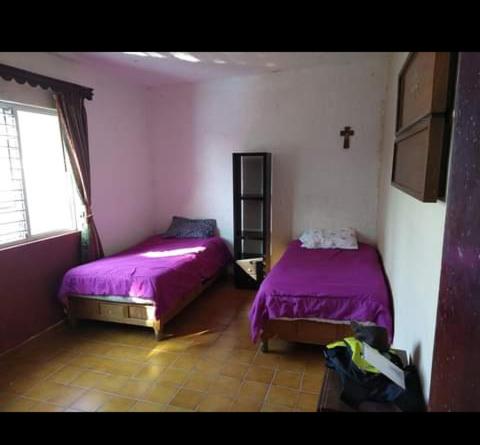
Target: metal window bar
point(10, 150)
point(12, 189)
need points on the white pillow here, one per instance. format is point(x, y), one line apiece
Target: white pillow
point(344, 238)
point(311, 239)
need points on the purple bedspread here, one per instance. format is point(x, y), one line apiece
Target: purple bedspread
point(331, 284)
point(158, 269)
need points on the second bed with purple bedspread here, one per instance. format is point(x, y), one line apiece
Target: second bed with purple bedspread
point(159, 269)
point(331, 284)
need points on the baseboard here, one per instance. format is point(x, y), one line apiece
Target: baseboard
point(53, 326)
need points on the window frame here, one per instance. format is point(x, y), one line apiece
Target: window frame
point(16, 106)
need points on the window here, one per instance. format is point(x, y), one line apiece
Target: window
point(37, 193)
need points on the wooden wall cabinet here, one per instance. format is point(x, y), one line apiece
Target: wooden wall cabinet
point(424, 111)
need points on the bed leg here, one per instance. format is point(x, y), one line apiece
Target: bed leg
point(264, 339)
point(71, 319)
point(264, 346)
point(158, 328)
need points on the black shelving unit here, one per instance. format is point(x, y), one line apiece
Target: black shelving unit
point(251, 217)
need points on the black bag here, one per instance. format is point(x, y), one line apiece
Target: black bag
point(358, 385)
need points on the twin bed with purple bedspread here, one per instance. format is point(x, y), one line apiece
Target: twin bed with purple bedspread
point(328, 284)
point(159, 269)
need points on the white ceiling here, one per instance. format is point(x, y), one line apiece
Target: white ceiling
point(159, 68)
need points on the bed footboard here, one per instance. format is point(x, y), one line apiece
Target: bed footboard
point(83, 307)
point(304, 331)
point(125, 310)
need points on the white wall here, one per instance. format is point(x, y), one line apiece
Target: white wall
point(297, 116)
point(410, 239)
point(120, 154)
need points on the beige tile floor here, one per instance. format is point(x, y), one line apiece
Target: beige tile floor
point(208, 363)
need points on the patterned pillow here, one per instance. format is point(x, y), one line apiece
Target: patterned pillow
point(311, 239)
point(345, 238)
point(191, 228)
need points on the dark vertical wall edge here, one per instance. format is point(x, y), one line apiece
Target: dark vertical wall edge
point(455, 383)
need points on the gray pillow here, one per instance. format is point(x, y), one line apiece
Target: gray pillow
point(191, 228)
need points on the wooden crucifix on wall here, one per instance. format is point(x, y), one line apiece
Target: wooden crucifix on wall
point(346, 133)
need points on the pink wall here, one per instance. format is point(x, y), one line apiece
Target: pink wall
point(120, 155)
point(122, 192)
point(29, 281)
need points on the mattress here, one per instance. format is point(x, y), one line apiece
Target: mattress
point(328, 284)
point(160, 270)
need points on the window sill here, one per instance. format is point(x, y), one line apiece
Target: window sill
point(39, 239)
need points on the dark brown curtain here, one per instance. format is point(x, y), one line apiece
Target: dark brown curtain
point(73, 119)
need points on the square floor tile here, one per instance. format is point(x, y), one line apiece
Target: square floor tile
point(186, 362)
point(210, 366)
point(224, 385)
point(236, 370)
point(279, 395)
point(307, 402)
point(246, 404)
point(66, 374)
point(289, 363)
point(162, 358)
point(52, 392)
point(149, 372)
point(44, 407)
point(253, 390)
point(17, 404)
point(88, 379)
point(312, 382)
point(208, 363)
point(199, 381)
point(177, 409)
point(117, 404)
point(315, 366)
point(218, 353)
point(186, 398)
point(119, 367)
point(111, 383)
point(173, 375)
point(260, 374)
point(86, 361)
point(43, 370)
point(91, 400)
point(22, 384)
point(126, 353)
point(133, 388)
point(272, 408)
point(269, 360)
point(160, 393)
point(215, 403)
point(245, 356)
point(147, 407)
point(290, 379)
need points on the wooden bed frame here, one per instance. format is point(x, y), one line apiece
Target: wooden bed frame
point(304, 331)
point(126, 310)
